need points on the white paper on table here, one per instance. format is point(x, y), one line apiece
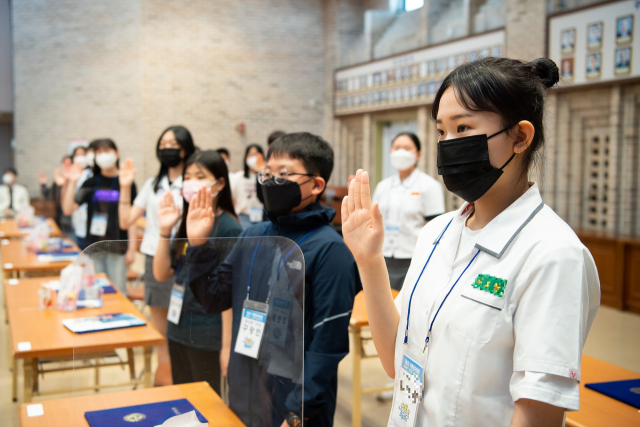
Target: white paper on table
point(5, 242)
point(8, 266)
point(24, 346)
point(54, 285)
point(35, 410)
point(190, 419)
point(13, 281)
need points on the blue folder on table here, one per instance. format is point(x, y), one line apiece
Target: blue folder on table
point(149, 415)
point(627, 391)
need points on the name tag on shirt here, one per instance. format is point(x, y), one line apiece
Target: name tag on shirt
point(391, 235)
point(254, 319)
point(99, 225)
point(255, 214)
point(409, 388)
point(175, 304)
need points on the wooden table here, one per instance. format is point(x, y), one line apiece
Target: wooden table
point(9, 229)
point(47, 337)
point(598, 410)
point(16, 259)
point(70, 412)
point(359, 320)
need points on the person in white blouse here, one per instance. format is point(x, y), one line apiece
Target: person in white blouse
point(243, 187)
point(500, 296)
point(407, 200)
point(174, 147)
point(13, 196)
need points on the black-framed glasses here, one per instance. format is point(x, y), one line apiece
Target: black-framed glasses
point(279, 176)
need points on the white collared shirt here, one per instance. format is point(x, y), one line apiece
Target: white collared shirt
point(243, 192)
point(404, 206)
point(149, 200)
point(486, 351)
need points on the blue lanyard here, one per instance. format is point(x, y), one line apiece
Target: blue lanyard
point(406, 331)
point(255, 251)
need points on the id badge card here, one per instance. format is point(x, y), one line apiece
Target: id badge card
point(279, 320)
point(175, 304)
point(409, 387)
point(99, 225)
point(254, 319)
point(391, 235)
point(255, 214)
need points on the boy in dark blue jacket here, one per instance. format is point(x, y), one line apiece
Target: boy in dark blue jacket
point(260, 391)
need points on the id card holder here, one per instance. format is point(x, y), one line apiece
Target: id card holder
point(408, 390)
point(254, 319)
point(175, 304)
point(255, 214)
point(99, 225)
point(391, 235)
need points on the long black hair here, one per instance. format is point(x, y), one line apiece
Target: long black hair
point(184, 140)
point(213, 162)
point(511, 88)
point(101, 143)
point(246, 153)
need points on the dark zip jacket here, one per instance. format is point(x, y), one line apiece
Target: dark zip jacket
point(257, 395)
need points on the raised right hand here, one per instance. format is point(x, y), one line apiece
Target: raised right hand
point(362, 223)
point(168, 214)
point(42, 178)
point(127, 173)
point(200, 218)
point(71, 171)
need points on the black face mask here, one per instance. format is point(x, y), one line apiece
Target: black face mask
point(280, 199)
point(170, 157)
point(465, 167)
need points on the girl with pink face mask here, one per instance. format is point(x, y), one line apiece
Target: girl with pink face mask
point(199, 343)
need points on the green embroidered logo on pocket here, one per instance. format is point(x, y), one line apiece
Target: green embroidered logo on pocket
point(493, 285)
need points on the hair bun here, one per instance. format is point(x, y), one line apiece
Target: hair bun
point(547, 71)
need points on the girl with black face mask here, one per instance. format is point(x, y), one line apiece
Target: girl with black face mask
point(500, 295)
point(174, 146)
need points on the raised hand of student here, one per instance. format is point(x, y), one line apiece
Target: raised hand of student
point(58, 177)
point(362, 223)
point(127, 173)
point(42, 178)
point(200, 218)
point(168, 214)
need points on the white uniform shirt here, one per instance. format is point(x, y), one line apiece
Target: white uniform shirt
point(404, 206)
point(486, 351)
point(79, 216)
point(149, 200)
point(19, 196)
point(243, 192)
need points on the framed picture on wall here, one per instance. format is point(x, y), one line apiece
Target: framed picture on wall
point(431, 88)
point(415, 71)
point(383, 78)
point(363, 81)
point(383, 96)
point(423, 69)
point(566, 68)
point(376, 79)
point(406, 93)
point(624, 29)
point(568, 40)
point(594, 62)
point(432, 67)
point(623, 60)
point(442, 65)
point(423, 89)
point(406, 73)
point(391, 75)
point(594, 35)
point(399, 94)
point(414, 91)
point(390, 95)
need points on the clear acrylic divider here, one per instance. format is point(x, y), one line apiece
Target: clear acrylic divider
point(256, 282)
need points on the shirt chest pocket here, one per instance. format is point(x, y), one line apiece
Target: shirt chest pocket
point(476, 314)
point(412, 203)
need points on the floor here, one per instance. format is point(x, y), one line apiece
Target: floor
point(614, 337)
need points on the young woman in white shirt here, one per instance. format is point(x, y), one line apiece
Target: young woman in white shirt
point(407, 200)
point(498, 301)
point(174, 146)
point(243, 187)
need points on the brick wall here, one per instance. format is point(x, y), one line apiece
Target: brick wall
point(128, 69)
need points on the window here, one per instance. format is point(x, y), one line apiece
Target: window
point(413, 4)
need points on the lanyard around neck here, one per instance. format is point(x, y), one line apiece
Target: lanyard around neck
point(255, 251)
point(406, 331)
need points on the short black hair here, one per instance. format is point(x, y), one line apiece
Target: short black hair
point(314, 152)
point(103, 143)
point(412, 136)
point(11, 170)
point(223, 151)
point(274, 136)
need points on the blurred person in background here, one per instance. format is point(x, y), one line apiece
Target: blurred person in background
point(82, 166)
point(273, 136)
point(174, 146)
point(53, 193)
point(224, 153)
point(199, 343)
point(407, 200)
point(243, 187)
point(101, 193)
point(13, 196)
